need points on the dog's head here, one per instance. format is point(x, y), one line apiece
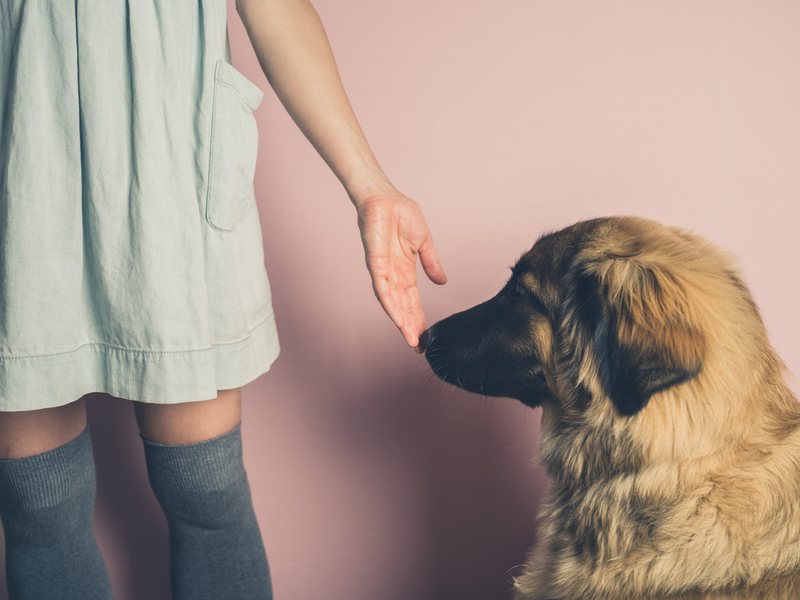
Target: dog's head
point(606, 310)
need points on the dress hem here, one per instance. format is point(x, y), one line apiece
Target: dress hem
point(33, 383)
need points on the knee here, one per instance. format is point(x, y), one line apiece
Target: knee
point(204, 484)
point(209, 510)
point(48, 498)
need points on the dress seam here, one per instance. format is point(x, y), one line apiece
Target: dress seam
point(137, 351)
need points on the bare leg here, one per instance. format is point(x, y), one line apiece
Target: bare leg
point(190, 422)
point(32, 432)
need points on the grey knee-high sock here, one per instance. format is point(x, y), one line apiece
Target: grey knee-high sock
point(46, 503)
point(216, 549)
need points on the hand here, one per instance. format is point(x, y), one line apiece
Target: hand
point(394, 232)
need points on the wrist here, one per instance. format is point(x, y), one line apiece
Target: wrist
point(367, 185)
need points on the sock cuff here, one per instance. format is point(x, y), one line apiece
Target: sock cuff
point(49, 478)
point(210, 465)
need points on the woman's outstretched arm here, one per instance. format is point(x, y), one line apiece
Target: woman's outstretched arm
point(293, 49)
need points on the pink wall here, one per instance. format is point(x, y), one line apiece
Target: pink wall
point(372, 480)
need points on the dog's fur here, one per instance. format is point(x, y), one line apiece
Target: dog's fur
point(670, 435)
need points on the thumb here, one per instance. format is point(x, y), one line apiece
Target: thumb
point(431, 264)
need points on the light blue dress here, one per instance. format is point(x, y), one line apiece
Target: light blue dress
point(131, 257)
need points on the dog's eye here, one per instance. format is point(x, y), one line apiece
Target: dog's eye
point(522, 292)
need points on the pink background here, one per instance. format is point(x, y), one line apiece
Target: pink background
point(371, 479)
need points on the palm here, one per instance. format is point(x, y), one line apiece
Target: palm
point(394, 232)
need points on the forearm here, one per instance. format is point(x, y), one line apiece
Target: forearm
point(293, 49)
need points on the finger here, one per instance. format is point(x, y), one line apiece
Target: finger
point(411, 334)
point(411, 338)
point(388, 301)
point(404, 308)
point(431, 264)
point(415, 318)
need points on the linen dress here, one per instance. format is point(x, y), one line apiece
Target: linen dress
point(131, 257)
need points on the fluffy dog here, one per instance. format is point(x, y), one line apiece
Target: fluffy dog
point(670, 435)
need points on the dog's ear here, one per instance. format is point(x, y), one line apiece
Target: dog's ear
point(636, 315)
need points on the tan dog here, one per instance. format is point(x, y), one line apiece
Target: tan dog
point(671, 437)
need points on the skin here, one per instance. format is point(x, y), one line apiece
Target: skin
point(32, 432)
point(293, 49)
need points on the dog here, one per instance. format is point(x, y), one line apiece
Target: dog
point(668, 430)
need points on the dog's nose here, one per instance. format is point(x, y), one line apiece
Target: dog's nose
point(426, 339)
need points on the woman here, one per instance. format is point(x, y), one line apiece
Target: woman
point(130, 264)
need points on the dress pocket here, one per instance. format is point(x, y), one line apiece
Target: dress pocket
point(234, 148)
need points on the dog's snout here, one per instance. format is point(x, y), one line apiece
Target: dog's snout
point(426, 339)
